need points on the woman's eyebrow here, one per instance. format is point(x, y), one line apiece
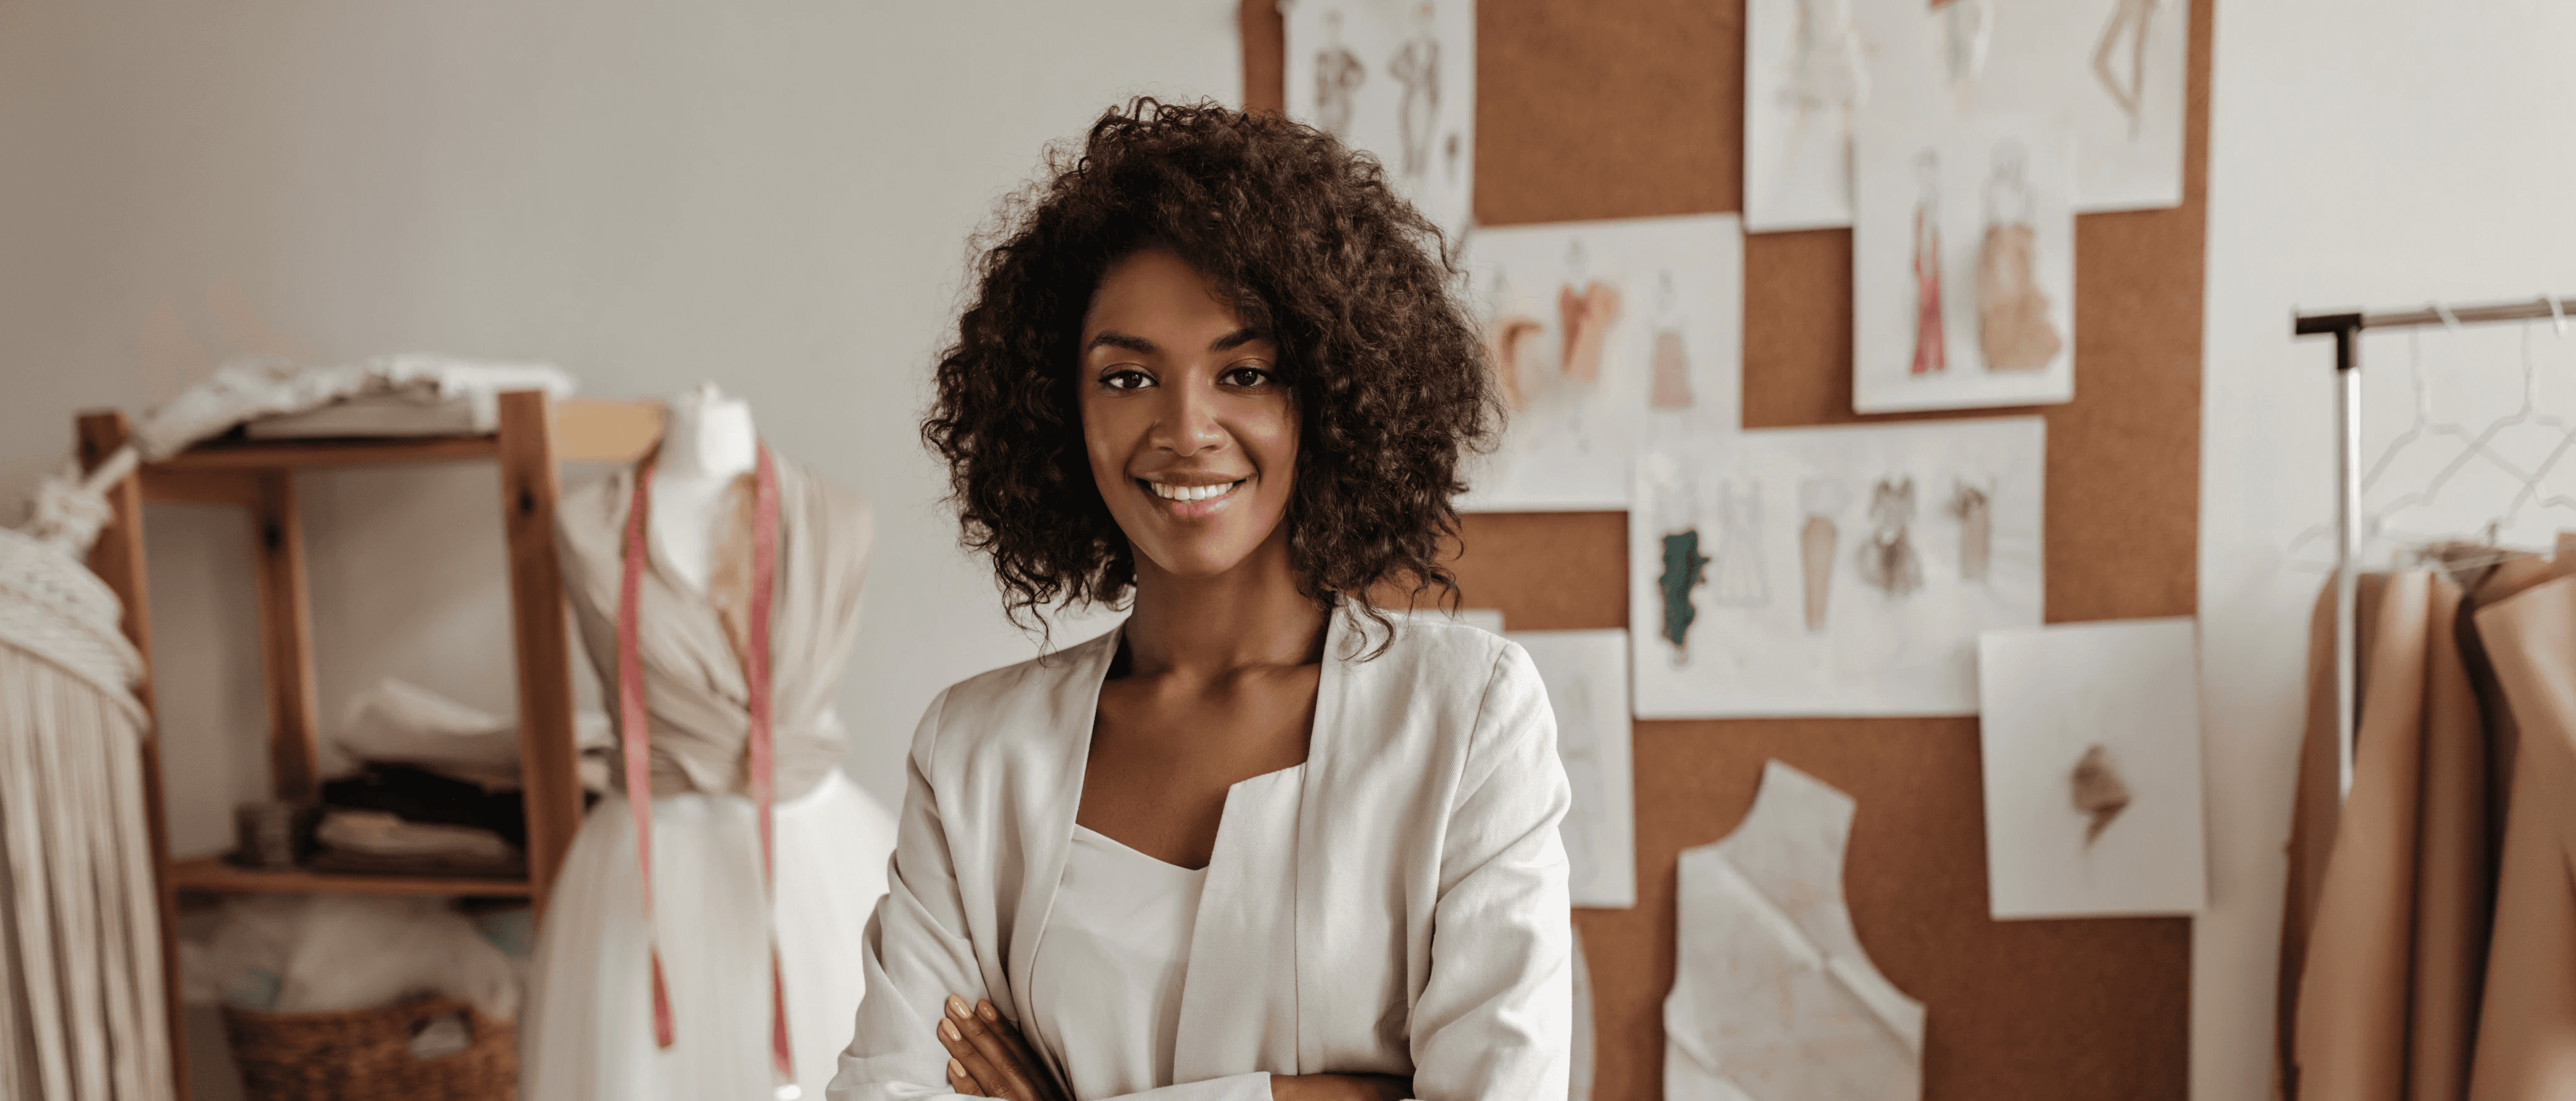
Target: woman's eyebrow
point(1112, 338)
point(1234, 340)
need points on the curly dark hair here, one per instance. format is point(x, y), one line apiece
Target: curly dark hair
point(1315, 249)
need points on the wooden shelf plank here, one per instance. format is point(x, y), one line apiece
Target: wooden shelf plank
point(293, 454)
point(212, 875)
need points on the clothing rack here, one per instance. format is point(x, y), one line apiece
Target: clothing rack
point(2346, 328)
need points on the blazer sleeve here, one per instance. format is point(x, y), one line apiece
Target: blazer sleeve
point(1495, 1019)
point(916, 952)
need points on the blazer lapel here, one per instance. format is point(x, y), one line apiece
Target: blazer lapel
point(1239, 991)
point(1048, 786)
point(1314, 841)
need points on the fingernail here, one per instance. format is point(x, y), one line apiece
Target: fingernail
point(956, 1007)
point(985, 1010)
point(956, 1069)
point(949, 1029)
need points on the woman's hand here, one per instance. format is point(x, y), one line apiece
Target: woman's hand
point(988, 1057)
point(1339, 1087)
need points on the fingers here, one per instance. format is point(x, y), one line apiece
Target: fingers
point(1017, 1081)
point(961, 1082)
point(1011, 1037)
point(969, 1071)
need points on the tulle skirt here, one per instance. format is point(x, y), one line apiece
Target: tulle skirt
point(587, 1031)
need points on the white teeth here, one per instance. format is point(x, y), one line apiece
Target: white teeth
point(1190, 493)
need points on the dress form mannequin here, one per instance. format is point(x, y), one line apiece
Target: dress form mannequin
point(707, 444)
point(727, 906)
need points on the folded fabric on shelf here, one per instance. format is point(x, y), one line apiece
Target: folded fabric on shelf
point(422, 795)
point(398, 721)
point(253, 387)
point(374, 842)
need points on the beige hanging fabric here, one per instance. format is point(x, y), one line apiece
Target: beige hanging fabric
point(2527, 1044)
point(82, 1009)
point(2386, 954)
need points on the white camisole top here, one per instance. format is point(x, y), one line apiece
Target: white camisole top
point(1107, 980)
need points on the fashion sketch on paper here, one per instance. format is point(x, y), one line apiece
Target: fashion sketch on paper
point(2013, 330)
point(1417, 68)
point(1931, 354)
point(1973, 506)
point(1966, 27)
point(1888, 560)
point(1668, 385)
point(1819, 500)
point(1826, 78)
point(1587, 308)
point(1338, 76)
point(2099, 791)
point(1742, 581)
point(2129, 21)
point(1684, 567)
point(1508, 337)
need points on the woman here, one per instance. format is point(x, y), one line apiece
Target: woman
point(1262, 840)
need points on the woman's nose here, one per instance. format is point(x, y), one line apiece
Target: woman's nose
point(1187, 424)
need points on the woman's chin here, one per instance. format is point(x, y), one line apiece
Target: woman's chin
point(1201, 560)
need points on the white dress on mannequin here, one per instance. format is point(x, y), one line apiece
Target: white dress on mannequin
point(589, 1031)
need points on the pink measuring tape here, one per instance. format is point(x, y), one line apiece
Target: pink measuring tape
point(634, 724)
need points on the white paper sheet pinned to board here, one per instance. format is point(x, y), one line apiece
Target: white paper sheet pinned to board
point(2091, 747)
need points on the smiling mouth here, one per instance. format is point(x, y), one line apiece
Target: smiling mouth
point(1186, 495)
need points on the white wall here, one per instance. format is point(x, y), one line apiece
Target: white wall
point(2377, 154)
point(775, 196)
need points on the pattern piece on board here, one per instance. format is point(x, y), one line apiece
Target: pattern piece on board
point(1773, 998)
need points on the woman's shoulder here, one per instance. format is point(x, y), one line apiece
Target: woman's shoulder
point(1027, 699)
point(1430, 655)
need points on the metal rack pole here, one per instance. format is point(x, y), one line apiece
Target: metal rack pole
point(2346, 328)
point(2347, 554)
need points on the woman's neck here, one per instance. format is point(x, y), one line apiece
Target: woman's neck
point(1206, 627)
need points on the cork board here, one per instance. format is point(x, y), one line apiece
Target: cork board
point(1629, 108)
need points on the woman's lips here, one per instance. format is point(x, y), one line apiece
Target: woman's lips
point(1192, 500)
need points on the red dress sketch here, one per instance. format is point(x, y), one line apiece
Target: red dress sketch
point(1930, 353)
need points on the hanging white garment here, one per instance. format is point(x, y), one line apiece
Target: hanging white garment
point(83, 1015)
point(1773, 998)
point(589, 1034)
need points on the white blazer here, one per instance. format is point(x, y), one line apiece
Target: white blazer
point(1413, 921)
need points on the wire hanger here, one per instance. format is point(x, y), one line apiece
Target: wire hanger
point(2420, 547)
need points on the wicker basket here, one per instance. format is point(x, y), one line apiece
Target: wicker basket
point(365, 1055)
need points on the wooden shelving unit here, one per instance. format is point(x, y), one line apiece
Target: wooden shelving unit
point(535, 435)
point(214, 875)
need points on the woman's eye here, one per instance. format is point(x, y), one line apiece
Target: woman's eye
point(1126, 379)
point(1247, 377)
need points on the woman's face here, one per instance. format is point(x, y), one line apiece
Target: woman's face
point(1191, 435)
